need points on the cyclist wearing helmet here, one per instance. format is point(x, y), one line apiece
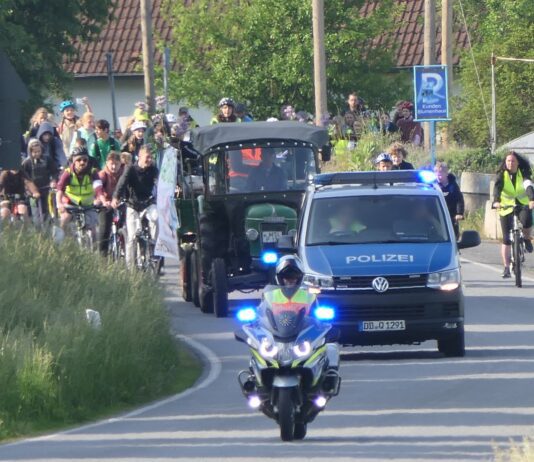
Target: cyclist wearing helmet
point(80, 185)
point(384, 162)
point(226, 112)
point(68, 125)
point(513, 186)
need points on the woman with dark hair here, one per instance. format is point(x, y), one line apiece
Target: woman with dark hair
point(513, 186)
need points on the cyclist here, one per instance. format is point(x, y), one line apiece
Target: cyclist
point(43, 172)
point(398, 155)
point(79, 185)
point(383, 162)
point(15, 182)
point(453, 196)
point(104, 144)
point(226, 112)
point(110, 177)
point(513, 186)
point(137, 185)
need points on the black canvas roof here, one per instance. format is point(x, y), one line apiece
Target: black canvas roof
point(206, 138)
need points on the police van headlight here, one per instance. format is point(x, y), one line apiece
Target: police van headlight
point(444, 280)
point(320, 281)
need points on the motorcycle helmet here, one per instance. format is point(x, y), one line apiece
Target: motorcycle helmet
point(227, 102)
point(289, 267)
point(65, 104)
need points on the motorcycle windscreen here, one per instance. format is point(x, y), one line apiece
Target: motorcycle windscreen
point(284, 323)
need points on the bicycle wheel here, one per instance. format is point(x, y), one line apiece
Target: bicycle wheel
point(516, 256)
point(139, 254)
point(114, 249)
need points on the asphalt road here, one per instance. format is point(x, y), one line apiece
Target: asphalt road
point(401, 404)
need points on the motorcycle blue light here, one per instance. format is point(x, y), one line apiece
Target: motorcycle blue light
point(269, 258)
point(246, 315)
point(324, 313)
point(427, 176)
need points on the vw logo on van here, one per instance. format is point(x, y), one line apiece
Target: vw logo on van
point(380, 284)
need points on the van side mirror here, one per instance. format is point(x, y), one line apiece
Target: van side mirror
point(286, 244)
point(326, 153)
point(469, 239)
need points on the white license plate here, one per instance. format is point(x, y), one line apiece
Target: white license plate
point(373, 326)
point(270, 236)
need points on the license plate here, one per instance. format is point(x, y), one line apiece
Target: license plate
point(271, 237)
point(373, 326)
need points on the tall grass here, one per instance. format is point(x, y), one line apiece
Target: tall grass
point(517, 452)
point(54, 367)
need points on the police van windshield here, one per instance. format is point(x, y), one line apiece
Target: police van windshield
point(376, 219)
point(261, 169)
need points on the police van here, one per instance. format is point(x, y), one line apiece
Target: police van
point(381, 250)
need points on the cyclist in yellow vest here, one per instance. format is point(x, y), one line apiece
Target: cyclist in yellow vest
point(288, 294)
point(79, 185)
point(513, 186)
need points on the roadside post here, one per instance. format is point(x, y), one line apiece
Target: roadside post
point(111, 80)
point(431, 97)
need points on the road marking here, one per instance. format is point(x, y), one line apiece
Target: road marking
point(492, 268)
point(213, 363)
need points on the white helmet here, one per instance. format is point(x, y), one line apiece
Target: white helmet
point(137, 126)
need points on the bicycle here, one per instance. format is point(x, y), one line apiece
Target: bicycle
point(116, 239)
point(83, 234)
point(518, 243)
point(145, 259)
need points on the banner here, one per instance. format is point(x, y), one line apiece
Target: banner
point(431, 93)
point(167, 241)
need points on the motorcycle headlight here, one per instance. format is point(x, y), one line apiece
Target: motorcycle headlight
point(318, 280)
point(267, 349)
point(301, 350)
point(444, 280)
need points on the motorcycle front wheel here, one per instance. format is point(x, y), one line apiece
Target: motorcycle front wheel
point(286, 414)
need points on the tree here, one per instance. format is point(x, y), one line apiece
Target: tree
point(261, 52)
point(37, 36)
point(505, 27)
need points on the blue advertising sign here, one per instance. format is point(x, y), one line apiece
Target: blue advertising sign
point(431, 93)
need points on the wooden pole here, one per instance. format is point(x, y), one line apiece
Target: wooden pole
point(319, 62)
point(148, 53)
point(446, 55)
point(429, 53)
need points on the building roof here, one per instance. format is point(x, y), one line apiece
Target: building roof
point(122, 36)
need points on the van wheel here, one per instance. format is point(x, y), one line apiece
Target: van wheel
point(453, 346)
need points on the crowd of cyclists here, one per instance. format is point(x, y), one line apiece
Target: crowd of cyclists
point(77, 160)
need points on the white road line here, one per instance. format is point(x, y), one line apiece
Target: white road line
point(213, 363)
point(492, 268)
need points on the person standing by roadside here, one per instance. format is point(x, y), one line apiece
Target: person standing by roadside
point(453, 196)
point(105, 143)
point(52, 145)
point(513, 187)
point(136, 140)
point(398, 155)
point(86, 131)
point(226, 112)
point(68, 125)
point(411, 131)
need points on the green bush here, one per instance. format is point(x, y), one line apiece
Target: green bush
point(470, 160)
point(54, 367)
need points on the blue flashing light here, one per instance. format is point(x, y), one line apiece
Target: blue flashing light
point(427, 176)
point(324, 313)
point(269, 258)
point(246, 315)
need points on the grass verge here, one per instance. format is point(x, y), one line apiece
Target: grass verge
point(517, 452)
point(56, 369)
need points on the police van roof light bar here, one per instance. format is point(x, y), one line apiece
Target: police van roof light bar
point(375, 178)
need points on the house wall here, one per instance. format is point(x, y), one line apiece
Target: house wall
point(128, 90)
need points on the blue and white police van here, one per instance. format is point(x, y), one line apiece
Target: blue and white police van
point(381, 250)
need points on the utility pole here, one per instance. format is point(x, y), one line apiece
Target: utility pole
point(446, 54)
point(111, 80)
point(319, 62)
point(429, 57)
point(493, 133)
point(148, 53)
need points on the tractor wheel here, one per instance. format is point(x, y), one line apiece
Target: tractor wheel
point(220, 288)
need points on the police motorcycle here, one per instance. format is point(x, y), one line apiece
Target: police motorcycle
point(294, 362)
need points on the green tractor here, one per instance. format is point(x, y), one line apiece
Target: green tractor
point(248, 193)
